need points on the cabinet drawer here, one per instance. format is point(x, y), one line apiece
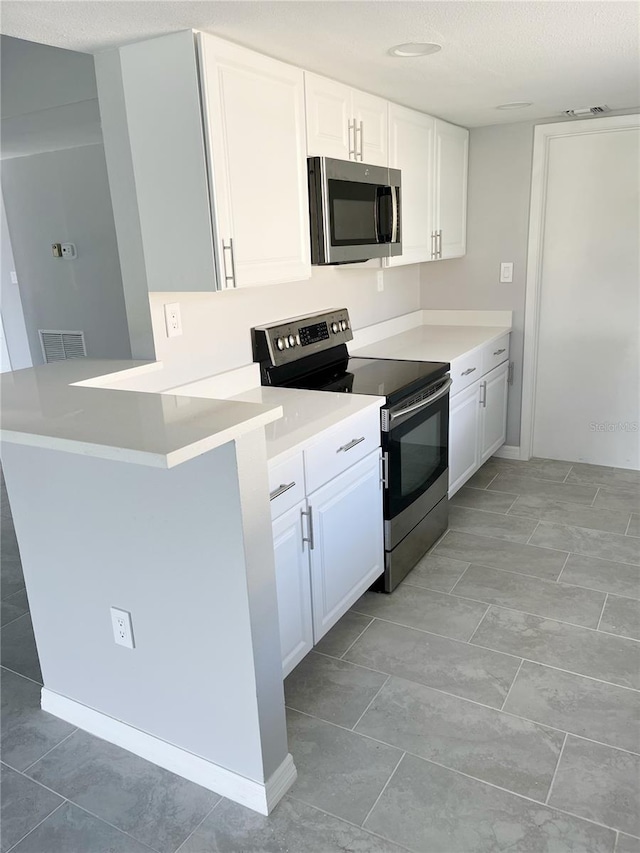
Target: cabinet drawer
point(465, 371)
point(495, 353)
point(340, 447)
point(286, 484)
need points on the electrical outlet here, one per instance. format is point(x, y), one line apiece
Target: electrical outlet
point(68, 251)
point(380, 280)
point(506, 272)
point(172, 319)
point(122, 628)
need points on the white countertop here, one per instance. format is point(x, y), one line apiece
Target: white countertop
point(433, 342)
point(43, 407)
point(305, 413)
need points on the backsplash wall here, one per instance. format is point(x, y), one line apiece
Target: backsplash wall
point(216, 326)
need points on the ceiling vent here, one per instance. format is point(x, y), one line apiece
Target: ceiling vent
point(58, 346)
point(587, 111)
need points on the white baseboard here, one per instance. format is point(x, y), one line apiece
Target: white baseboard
point(259, 796)
point(508, 451)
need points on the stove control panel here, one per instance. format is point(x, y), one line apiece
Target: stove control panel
point(289, 340)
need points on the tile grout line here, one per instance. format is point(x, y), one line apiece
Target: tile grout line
point(476, 629)
point(593, 502)
point(384, 788)
point(317, 808)
point(626, 532)
point(33, 828)
point(113, 826)
point(451, 592)
point(511, 687)
point(64, 739)
point(379, 690)
point(509, 571)
point(555, 772)
point(196, 828)
point(341, 657)
point(22, 675)
point(566, 476)
point(604, 604)
point(533, 533)
point(564, 566)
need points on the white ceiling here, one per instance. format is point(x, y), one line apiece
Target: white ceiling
point(559, 55)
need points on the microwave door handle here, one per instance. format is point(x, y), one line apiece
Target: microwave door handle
point(376, 217)
point(395, 192)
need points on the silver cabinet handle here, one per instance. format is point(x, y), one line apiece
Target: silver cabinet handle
point(510, 373)
point(500, 351)
point(468, 371)
point(227, 277)
point(308, 538)
point(433, 244)
point(282, 488)
point(350, 444)
point(361, 130)
point(353, 152)
point(483, 395)
point(439, 249)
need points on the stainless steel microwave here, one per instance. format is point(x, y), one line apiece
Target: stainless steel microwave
point(355, 211)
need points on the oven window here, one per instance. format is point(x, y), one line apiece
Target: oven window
point(352, 213)
point(418, 455)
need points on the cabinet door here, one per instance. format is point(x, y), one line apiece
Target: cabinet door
point(293, 587)
point(254, 110)
point(348, 550)
point(329, 118)
point(464, 431)
point(493, 413)
point(372, 128)
point(411, 150)
point(451, 163)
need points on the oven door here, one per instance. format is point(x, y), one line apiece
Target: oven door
point(415, 454)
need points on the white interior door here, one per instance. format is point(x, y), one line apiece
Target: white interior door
point(587, 397)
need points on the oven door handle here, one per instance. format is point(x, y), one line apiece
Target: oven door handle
point(423, 403)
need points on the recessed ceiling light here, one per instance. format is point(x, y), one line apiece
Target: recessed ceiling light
point(516, 105)
point(415, 48)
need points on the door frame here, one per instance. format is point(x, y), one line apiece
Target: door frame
point(543, 134)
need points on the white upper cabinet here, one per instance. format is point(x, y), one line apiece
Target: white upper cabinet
point(450, 189)
point(345, 123)
point(371, 128)
point(255, 131)
point(411, 137)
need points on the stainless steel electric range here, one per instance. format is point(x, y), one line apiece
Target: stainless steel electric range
point(311, 352)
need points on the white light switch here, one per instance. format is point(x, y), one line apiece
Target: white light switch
point(14, 277)
point(506, 273)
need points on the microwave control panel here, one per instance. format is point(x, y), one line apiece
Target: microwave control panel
point(285, 342)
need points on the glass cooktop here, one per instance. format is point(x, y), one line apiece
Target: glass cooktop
point(394, 379)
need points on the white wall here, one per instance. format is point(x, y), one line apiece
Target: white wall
point(64, 196)
point(216, 327)
point(15, 332)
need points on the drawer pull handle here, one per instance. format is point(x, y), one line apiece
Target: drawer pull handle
point(350, 444)
point(500, 351)
point(468, 371)
point(282, 488)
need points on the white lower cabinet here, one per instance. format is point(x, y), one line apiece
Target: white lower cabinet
point(493, 419)
point(328, 550)
point(477, 419)
point(293, 586)
point(464, 428)
point(348, 550)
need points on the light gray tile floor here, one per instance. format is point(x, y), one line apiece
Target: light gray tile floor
point(490, 704)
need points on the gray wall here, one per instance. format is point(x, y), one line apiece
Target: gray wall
point(497, 230)
point(12, 313)
point(64, 196)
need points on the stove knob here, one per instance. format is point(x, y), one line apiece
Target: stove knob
point(292, 341)
point(344, 325)
point(280, 343)
point(335, 328)
point(298, 340)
